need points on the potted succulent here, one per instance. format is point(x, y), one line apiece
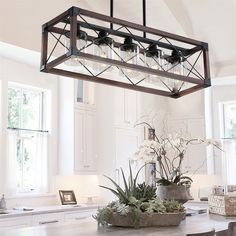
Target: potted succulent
point(138, 206)
point(168, 152)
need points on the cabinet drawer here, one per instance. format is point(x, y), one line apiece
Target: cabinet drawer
point(79, 215)
point(50, 218)
point(15, 222)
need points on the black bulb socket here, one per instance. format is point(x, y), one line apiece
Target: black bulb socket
point(103, 39)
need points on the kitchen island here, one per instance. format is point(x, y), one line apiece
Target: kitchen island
point(88, 227)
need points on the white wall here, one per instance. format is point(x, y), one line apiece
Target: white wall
point(14, 71)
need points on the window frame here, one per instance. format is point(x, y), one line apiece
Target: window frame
point(45, 120)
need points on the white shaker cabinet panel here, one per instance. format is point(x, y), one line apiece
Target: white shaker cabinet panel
point(127, 142)
point(85, 141)
point(79, 140)
point(195, 159)
point(15, 222)
point(79, 215)
point(126, 112)
point(91, 143)
point(49, 218)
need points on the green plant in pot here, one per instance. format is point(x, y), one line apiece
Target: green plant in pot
point(167, 152)
point(138, 206)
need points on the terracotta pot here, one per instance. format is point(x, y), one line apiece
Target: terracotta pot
point(147, 220)
point(180, 193)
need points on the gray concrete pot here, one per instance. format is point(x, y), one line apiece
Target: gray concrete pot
point(180, 193)
point(147, 220)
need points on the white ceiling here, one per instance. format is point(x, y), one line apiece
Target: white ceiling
point(213, 21)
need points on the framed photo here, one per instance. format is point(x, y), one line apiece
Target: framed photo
point(67, 197)
point(150, 173)
point(149, 134)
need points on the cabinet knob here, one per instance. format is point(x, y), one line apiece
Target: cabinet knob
point(86, 166)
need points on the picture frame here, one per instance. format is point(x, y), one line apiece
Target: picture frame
point(149, 134)
point(67, 197)
point(150, 173)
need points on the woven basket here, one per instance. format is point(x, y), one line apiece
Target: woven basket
point(222, 205)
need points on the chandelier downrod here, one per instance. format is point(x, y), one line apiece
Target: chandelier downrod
point(144, 17)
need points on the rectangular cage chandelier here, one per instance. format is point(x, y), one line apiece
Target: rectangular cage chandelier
point(89, 46)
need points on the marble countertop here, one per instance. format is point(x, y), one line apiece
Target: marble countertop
point(88, 227)
point(46, 209)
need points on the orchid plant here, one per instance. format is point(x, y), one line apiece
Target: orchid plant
point(168, 152)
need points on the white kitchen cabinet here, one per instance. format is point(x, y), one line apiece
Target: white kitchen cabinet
point(126, 107)
point(77, 135)
point(50, 215)
point(84, 94)
point(49, 218)
point(197, 154)
point(79, 215)
point(195, 159)
point(85, 148)
point(127, 141)
point(15, 222)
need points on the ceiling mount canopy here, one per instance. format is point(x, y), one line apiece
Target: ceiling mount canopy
point(99, 48)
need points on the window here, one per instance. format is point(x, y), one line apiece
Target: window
point(229, 120)
point(229, 140)
point(27, 140)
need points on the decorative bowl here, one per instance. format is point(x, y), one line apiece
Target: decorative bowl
point(147, 220)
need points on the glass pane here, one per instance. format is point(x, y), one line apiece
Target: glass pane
point(24, 108)
point(31, 110)
point(14, 102)
point(80, 91)
point(26, 162)
point(229, 110)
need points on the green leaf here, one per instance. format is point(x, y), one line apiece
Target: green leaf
point(119, 189)
point(131, 178)
point(136, 177)
point(112, 190)
point(164, 182)
point(127, 190)
point(186, 177)
point(177, 179)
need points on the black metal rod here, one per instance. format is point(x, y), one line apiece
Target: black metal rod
point(32, 130)
point(144, 17)
point(111, 12)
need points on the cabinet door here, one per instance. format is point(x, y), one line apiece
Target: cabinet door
point(197, 159)
point(91, 144)
point(85, 141)
point(79, 141)
point(50, 218)
point(79, 215)
point(130, 107)
point(127, 142)
point(125, 107)
point(15, 223)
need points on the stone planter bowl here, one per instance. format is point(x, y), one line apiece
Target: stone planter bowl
point(179, 193)
point(148, 220)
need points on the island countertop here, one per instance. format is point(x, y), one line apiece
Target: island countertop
point(88, 227)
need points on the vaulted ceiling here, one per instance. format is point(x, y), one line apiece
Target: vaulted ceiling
point(213, 21)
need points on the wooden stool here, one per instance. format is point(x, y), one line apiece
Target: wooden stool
point(232, 229)
point(209, 233)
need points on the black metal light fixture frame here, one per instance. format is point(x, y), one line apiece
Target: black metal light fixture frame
point(76, 16)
